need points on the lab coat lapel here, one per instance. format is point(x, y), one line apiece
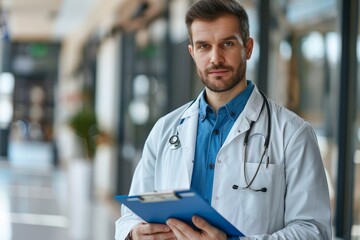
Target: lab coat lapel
point(250, 113)
point(187, 131)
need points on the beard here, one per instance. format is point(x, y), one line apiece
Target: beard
point(227, 84)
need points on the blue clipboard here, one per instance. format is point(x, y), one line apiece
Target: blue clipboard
point(159, 206)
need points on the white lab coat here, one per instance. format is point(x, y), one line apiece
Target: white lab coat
point(296, 204)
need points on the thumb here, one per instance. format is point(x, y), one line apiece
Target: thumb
point(201, 223)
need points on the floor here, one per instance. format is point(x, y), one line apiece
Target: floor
point(43, 203)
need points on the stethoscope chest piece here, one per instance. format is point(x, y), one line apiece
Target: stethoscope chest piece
point(174, 142)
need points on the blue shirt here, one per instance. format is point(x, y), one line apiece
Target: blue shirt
point(211, 134)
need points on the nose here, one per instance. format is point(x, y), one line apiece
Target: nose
point(216, 56)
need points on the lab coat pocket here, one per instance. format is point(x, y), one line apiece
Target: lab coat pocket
point(259, 205)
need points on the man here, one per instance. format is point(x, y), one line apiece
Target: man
point(274, 188)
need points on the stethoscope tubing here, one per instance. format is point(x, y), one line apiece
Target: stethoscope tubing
point(266, 145)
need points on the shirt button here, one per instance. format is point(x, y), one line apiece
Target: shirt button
point(212, 166)
point(232, 114)
point(216, 132)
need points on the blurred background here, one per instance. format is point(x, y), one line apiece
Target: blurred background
point(83, 81)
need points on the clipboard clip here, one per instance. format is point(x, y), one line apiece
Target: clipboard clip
point(159, 197)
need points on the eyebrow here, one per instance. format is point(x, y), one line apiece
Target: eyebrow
point(224, 39)
point(200, 42)
point(231, 38)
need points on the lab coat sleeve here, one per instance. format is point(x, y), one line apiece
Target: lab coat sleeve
point(307, 204)
point(143, 181)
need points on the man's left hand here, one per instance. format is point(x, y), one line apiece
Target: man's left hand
point(183, 231)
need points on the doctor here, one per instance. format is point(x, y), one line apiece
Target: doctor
point(255, 162)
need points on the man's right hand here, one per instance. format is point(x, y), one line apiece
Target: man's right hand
point(153, 231)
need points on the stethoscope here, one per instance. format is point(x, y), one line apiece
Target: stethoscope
point(266, 145)
point(175, 143)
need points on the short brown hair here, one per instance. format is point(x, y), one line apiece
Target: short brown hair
point(210, 10)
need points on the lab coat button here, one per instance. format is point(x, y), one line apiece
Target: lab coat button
point(219, 161)
point(216, 198)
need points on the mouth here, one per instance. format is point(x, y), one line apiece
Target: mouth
point(217, 72)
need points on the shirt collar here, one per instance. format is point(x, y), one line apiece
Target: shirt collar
point(203, 107)
point(234, 107)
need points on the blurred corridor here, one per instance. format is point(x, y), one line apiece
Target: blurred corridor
point(38, 202)
point(82, 83)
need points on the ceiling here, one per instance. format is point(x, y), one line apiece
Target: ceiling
point(73, 22)
point(55, 20)
point(39, 19)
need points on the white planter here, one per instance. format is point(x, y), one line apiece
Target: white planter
point(104, 169)
point(80, 195)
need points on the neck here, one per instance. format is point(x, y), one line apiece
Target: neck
point(218, 99)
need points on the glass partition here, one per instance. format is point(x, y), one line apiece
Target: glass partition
point(304, 67)
point(356, 210)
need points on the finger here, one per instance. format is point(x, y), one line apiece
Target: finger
point(163, 236)
point(157, 236)
point(147, 231)
point(152, 228)
point(178, 234)
point(171, 238)
point(182, 230)
point(202, 224)
point(207, 228)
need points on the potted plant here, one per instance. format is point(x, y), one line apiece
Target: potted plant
point(84, 124)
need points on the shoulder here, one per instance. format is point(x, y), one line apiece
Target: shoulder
point(172, 119)
point(284, 116)
point(289, 124)
point(177, 113)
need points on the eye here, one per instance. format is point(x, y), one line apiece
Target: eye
point(203, 46)
point(228, 44)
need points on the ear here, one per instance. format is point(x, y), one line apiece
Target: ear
point(249, 47)
point(191, 50)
